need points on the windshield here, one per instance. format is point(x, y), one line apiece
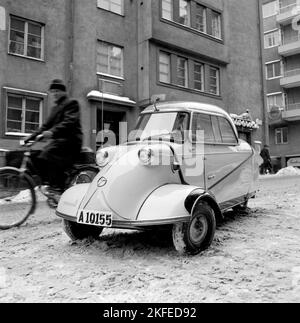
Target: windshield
point(170, 126)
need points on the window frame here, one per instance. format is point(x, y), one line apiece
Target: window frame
point(215, 142)
point(110, 10)
point(209, 10)
point(272, 32)
point(185, 69)
point(202, 76)
point(280, 131)
point(217, 80)
point(110, 46)
point(273, 14)
point(190, 61)
point(25, 94)
point(273, 63)
point(26, 33)
point(277, 94)
point(166, 54)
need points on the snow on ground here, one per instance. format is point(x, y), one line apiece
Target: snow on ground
point(254, 258)
point(289, 171)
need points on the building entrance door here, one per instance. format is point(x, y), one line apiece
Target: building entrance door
point(110, 128)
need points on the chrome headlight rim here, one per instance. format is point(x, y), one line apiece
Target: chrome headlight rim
point(145, 155)
point(102, 158)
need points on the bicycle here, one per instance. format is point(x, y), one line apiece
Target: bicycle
point(19, 186)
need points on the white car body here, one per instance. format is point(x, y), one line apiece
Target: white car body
point(139, 195)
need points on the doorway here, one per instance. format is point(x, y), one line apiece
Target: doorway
point(108, 129)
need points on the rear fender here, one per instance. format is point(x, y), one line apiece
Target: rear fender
point(198, 195)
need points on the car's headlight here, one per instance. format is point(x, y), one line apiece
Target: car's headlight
point(145, 156)
point(102, 158)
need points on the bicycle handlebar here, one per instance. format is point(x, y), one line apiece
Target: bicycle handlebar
point(29, 144)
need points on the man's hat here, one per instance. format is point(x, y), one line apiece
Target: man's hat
point(58, 85)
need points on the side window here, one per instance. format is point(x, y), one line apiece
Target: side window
point(202, 122)
point(216, 129)
point(227, 133)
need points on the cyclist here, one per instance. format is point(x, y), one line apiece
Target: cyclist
point(63, 129)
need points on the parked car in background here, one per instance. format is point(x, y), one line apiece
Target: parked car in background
point(181, 169)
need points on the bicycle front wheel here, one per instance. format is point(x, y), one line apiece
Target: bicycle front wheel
point(17, 198)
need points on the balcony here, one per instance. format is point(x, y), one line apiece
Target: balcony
point(292, 113)
point(290, 45)
point(288, 13)
point(291, 79)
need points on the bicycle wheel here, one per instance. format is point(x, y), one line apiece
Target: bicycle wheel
point(83, 175)
point(17, 198)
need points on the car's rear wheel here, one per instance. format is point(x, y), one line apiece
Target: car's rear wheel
point(77, 231)
point(197, 234)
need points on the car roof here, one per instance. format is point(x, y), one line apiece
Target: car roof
point(187, 106)
point(190, 106)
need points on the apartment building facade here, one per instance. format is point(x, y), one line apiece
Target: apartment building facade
point(116, 55)
point(282, 64)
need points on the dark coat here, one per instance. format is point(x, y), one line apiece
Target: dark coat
point(265, 155)
point(64, 123)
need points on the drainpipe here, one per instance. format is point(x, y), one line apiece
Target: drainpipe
point(266, 137)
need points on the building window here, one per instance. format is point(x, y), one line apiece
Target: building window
point(116, 6)
point(273, 70)
point(198, 76)
point(270, 9)
point(202, 19)
point(109, 59)
point(23, 114)
point(164, 67)
point(281, 136)
point(275, 100)
point(214, 80)
point(216, 25)
point(182, 72)
point(184, 12)
point(167, 9)
point(186, 72)
point(272, 39)
point(26, 38)
point(200, 23)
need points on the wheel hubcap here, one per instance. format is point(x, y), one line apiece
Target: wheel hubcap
point(198, 229)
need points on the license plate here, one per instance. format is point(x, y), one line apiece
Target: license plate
point(96, 218)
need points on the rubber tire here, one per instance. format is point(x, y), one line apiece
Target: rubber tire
point(30, 185)
point(77, 231)
point(182, 239)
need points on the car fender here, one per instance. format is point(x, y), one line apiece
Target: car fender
point(166, 205)
point(197, 196)
point(70, 201)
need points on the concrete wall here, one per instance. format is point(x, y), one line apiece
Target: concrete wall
point(292, 147)
point(28, 74)
point(244, 86)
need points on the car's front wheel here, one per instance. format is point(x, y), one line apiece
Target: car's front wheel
point(77, 231)
point(197, 234)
